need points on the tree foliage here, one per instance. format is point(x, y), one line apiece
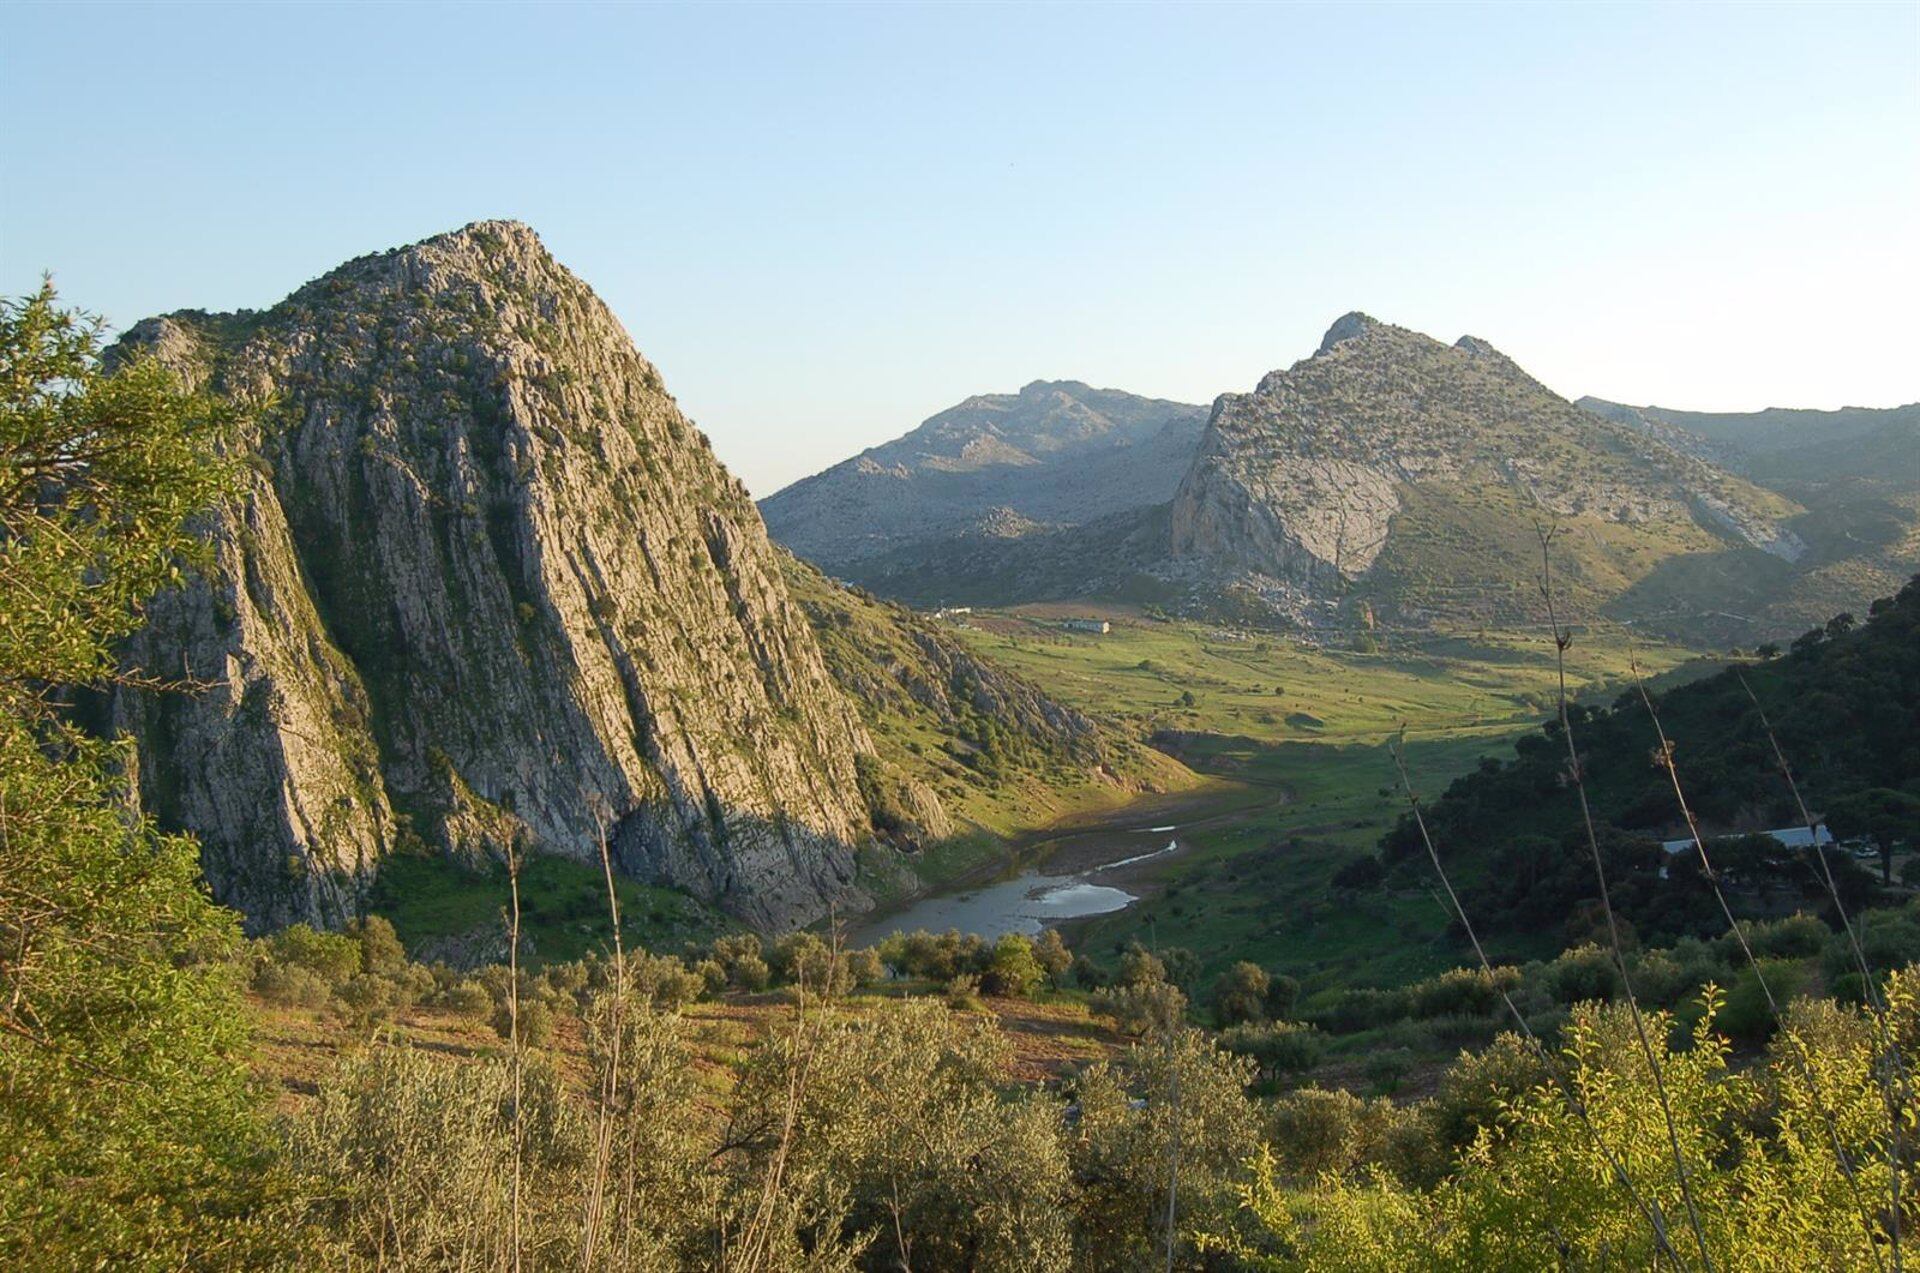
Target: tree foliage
point(124, 1103)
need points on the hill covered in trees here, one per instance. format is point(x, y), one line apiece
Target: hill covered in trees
point(1843, 704)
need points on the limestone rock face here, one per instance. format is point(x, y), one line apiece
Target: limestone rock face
point(486, 585)
point(1391, 458)
point(275, 754)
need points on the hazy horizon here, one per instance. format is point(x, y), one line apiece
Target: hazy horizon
point(827, 224)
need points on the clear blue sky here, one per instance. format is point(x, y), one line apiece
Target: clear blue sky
point(827, 223)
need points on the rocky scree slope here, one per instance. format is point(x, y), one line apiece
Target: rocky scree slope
point(1396, 470)
point(997, 467)
point(486, 586)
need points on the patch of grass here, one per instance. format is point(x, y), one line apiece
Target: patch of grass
point(1273, 689)
point(1258, 885)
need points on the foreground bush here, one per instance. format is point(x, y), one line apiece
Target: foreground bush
point(1535, 1187)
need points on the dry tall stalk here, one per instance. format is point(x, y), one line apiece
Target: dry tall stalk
point(1664, 758)
point(513, 1041)
point(1895, 1086)
point(610, 1079)
point(752, 1252)
point(1648, 1207)
point(1562, 638)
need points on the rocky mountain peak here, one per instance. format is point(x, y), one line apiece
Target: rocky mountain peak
point(1345, 328)
point(1056, 453)
point(1392, 457)
point(487, 588)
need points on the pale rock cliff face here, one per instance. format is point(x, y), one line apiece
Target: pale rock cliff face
point(1305, 480)
point(487, 585)
point(274, 757)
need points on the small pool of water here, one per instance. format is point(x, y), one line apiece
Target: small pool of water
point(1025, 903)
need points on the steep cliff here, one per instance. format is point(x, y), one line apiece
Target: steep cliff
point(486, 586)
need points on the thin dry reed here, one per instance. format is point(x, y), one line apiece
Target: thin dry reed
point(1894, 1079)
point(1648, 1207)
point(513, 1041)
point(1563, 638)
point(1665, 759)
point(610, 1078)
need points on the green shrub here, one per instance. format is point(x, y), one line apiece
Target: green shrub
point(1142, 1008)
point(1240, 994)
point(1462, 992)
point(536, 1023)
point(1795, 937)
point(1315, 1132)
point(291, 986)
point(333, 957)
point(1014, 971)
point(1744, 1015)
point(864, 966)
point(962, 992)
point(1279, 1047)
point(468, 998)
point(380, 950)
point(370, 999)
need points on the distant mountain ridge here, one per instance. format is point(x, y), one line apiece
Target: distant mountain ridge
point(1855, 472)
point(996, 466)
point(1388, 478)
point(1784, 444)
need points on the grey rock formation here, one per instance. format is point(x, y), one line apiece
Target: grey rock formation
point(486, 585)
point(1388, 454)
point(1786, 447)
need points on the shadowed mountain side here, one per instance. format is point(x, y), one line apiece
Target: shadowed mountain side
point(947, 722)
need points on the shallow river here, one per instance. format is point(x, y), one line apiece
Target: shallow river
point(1036, 898)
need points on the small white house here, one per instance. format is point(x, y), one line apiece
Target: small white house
point(1099, 627)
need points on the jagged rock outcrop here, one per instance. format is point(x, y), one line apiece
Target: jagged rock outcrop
point(486, 585)
point(1389, 457)
point(997, 466)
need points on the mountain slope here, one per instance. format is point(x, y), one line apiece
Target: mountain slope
point(487, 587)
point(1781, 445)
point(1844, 703)
point(1409, 474)
point(1856, 472)
point(998, 467)
point(991, 748)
